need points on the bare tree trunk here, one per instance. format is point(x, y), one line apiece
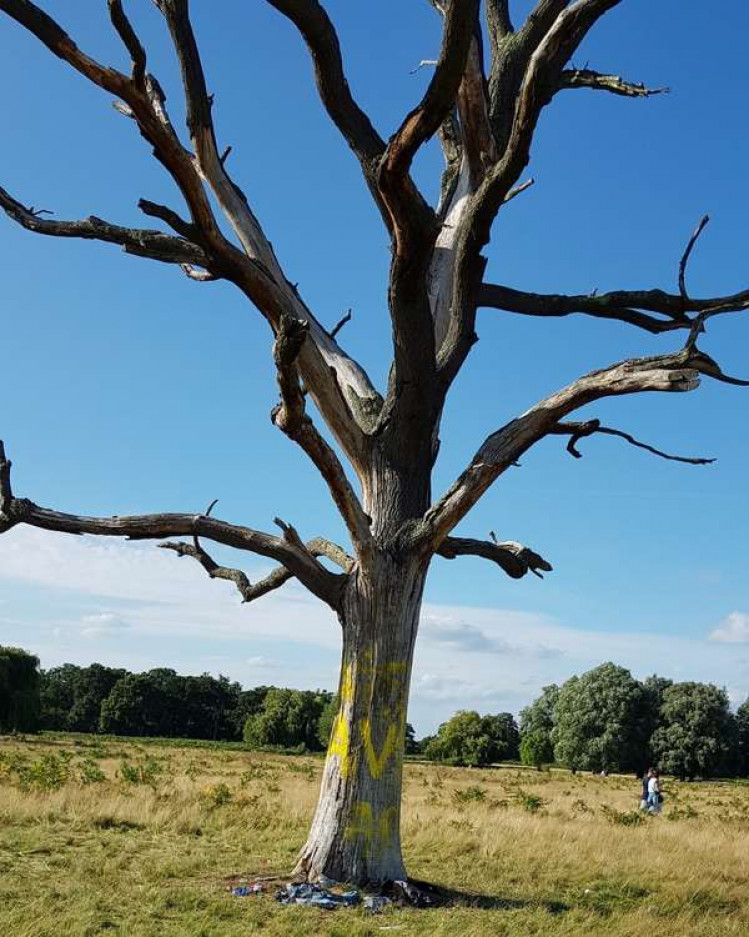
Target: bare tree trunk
point(355, 834)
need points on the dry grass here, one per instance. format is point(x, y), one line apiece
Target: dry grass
point(526, 853)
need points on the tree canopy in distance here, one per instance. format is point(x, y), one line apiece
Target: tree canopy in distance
point(488, 89)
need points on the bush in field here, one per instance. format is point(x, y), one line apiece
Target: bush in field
point(48, 773)
point(146, 772)
point(742, 731)
point(474, 740)
point(288, 719)
point(697, 736)
point(536, 724)
point(601, 721)
point(536, 749)
point(19, 690)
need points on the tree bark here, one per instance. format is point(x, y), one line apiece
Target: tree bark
point(355, 834)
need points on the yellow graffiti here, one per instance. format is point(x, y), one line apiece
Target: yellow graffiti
point(377, 762)
point(339, 742)
point(342, 744)
point(376, 831)
point(339, 736)
point(347, 685)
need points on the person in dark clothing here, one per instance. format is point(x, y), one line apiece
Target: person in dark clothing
point(644, 797)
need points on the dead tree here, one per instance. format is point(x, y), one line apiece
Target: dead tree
point(485, 110)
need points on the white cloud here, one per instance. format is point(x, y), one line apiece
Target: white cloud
point(167, 612)
point(262, 663)
point(460, 635)
point(732, 630)
point(102, 625)
point(162, 594)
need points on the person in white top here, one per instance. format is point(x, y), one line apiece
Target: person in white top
point(654, 791)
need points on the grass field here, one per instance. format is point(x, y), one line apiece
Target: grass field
point(137, 838)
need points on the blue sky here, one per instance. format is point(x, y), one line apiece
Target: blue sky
point(127, 388)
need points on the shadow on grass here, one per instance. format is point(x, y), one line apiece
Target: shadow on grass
point(441, 897)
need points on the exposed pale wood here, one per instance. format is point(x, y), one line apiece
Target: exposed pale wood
point(513, 557)
point(291, 417)
point(614, 84)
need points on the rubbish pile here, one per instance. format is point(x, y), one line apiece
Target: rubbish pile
point(330, 895)
point(317, 897)
point(244, 891)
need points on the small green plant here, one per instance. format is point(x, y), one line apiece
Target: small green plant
point(623, 817)
point(216, 795)
point(469, 794)
point(192, 771)
point(144, 772)
point(530, 802)
point(90, 773)
point(48, 773)
point(682, 813)
point(304, 767)
point(11, 763)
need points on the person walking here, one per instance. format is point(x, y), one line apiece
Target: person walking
point(654, 791)
point(644, 795)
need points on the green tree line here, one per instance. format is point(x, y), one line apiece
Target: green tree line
point(602, 720)
point(161, 703)
point(606, 720)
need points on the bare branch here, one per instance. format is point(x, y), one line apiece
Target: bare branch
point(621, 305)
point(477, 140)
point(274, 580)
point(540, 79)
point(424, 63)
point(678, 371)
point(540, 20)
point(514, 558)
point(479, 146)
point(319, 33)
point(425, 120)
point(685, 256)
point(498, 20)
point(519, 189)
point(334, 380)
point(133, 45)
point(294, 556)
point(291, 418)
point(337, 384)
point(175, 221)
point(145, 243)
point(452, 150)
point(578, 431)
point(586, 78)
point(240, 580)
point(340, 324)
point(145, 103)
